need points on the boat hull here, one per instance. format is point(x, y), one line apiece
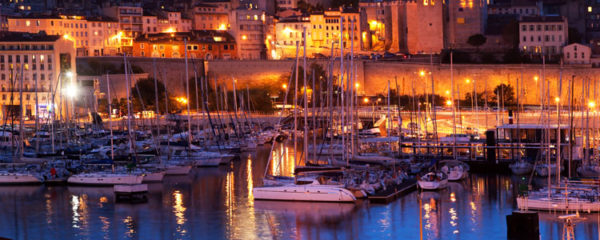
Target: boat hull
point(312, 193)
point(154, 176)
point(105, 179)
point(178, 170)
point(557, 205)
point(8, 179)
point(433, 185)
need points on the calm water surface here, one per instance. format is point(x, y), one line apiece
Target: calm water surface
point(217, 203)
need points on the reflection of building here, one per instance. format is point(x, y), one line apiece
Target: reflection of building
point(465, 18)
point(212, 15)
point(402, 26)
point(92, 37)
point(200, 44)
point(543, 34)
point(45, 61)
point(248, 29)
point(576, 54)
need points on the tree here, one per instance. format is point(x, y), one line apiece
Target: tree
point(147, 95)
point(477, 40)
point(504, 93)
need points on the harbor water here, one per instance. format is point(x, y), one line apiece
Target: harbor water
point(217, 203)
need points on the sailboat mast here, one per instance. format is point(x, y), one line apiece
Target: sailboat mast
point(343, 91)
point(305, 97)
point(187, 92)
point(112, 151)
point(296, 107)
point(127, 89)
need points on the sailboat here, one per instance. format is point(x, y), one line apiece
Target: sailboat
point(433, 181)
point(455, 170)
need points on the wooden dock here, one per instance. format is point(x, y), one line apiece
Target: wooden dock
point(394, 192)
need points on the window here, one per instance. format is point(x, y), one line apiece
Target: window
point(523, 28)
point(524, 39)
point(568, 55)
point(559, 27)
point(141, 46)
point(42, 77)
point(582, 55)
point(3, 77)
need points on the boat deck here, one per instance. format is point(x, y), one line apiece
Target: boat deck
point(394, 192)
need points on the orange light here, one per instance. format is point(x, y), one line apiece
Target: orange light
point(366, 100)
point(536, 78)
point(556, 99)
point(284, 86)
point(357, 85)
point(449, 102)
point(591, 104)
point(244, 37)
point(422, 73)
point(468, 81)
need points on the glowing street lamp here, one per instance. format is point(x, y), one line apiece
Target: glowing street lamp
point(366, 100)
point(591, 104)
point(71, 90)
point(468, 81)
point(284, 86)
point(448, 102)
point(422, 73)
point(536, 78)
point(557, 99)
point(357, 85)
point(182, 100)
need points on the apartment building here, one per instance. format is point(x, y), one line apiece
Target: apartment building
point(543, 34)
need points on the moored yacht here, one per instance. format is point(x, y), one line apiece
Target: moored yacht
point(433, 181)
point(304, 192)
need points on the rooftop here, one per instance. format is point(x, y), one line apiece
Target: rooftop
point(542, 19)
point(27, 37)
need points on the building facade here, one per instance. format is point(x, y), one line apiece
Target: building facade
point(543, 34)
point(45, 63)
point(211, 15)
point(465, 18)
point(130, 22)
point(90, 37)
point(402, 26)
point(576, 54)
point(248, 28)
point(205, 44)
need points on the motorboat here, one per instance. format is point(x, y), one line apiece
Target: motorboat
point(433, 181)
point(589, 171)
point(455, 170)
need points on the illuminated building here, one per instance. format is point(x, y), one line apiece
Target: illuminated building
point(165, 21)
point(212, 15)
point(248, 27)
point(465, 18)
point(36, 58)
point(576, 53)
point(543, 34)
point(208, 44)
point(322, 30)
point(402, 26)
point(91, 37)
point(130, 22)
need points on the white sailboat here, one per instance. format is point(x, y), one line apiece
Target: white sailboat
point(521, 167)
point(304, 192)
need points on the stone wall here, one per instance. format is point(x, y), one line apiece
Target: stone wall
point(373, 76)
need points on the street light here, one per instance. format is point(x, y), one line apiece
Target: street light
point(449, 102)
point(366, 100)
point(591, 104)
point(284, 86)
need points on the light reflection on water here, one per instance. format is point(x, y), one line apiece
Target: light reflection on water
point(217, 203)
